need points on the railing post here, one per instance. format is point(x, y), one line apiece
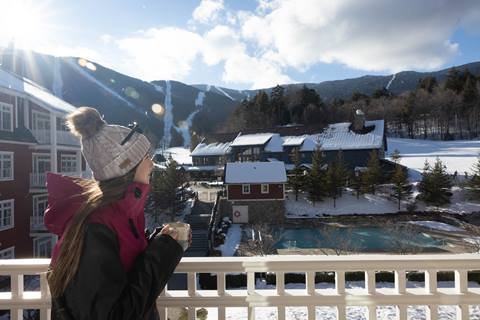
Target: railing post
point(372, 313)
point(221, 313)
point(17, 286)
point(463, 312)
point(191, 284)
point(221, 283)
point(191, 313)
point(401, 312)
point(280, 284)
point(370, 281)
point(310, 283)
point(341, 312)
point(432, 312)
point(400, 281)
point(461, 281)
point(340, 282)
point(281, 312)
point(431, 281)
point(251, 313)
point(311, 312)
point(16, 314)
point(250, 282)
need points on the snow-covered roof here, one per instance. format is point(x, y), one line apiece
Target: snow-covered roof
point(305, 142)
point(339, 136)
point(274, 144)
point(179, 154)
point(38, 94)
point(255, 172)
point(203, 168)
point(212, 149)
point(251, 139)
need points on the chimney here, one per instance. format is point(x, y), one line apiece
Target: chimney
point(359, 121)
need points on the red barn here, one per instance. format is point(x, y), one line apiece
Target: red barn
point(254, 189)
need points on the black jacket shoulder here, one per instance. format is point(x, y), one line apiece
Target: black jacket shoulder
point(101, 289)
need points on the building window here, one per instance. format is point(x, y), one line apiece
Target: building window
point(40, 203)
point(245, 188)
point(42, 247)
point(6, 166)
point(265, 188)
point(6, 214)
point(68, 163)
point(6, 117)
point(8, 253)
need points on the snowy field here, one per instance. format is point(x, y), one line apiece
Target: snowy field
point(457, 155)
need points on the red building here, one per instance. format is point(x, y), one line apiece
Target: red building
point(33, 140)
point(255, 190)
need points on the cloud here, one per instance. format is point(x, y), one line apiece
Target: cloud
point(106, 38)
point(220, 43)
point(164, 53)
point(367, 35)
point(257, 72)
point(208, 10)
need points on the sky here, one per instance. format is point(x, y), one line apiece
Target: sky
point(249, 44)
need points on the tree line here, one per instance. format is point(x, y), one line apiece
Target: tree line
point(433, 110)
point(330, 180)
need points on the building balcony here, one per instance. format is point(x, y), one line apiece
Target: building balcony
point(38, 180)
point(37, 224)
point(339, 296)
point(63, 137)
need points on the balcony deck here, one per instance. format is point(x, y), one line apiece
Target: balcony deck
point(461, 295)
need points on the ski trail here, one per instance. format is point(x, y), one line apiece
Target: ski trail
point(208, 87)
point(158, 88)
point(390, 82)
point(184, 126)
point(224, 93)
point(57, 85)
point(168, 117)
point(88, 76)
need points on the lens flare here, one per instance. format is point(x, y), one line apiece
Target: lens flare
point(131, 92)
point(158, 109)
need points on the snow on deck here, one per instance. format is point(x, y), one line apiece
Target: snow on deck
point(212, 149)
point(252, 139)
point(25, 86)
point(255, 172)
point(459, 155)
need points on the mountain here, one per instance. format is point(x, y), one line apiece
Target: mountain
point(185, 109)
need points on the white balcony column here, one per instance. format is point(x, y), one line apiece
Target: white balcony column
point(402, 312)
point(463, 311)
point(370, 281)
point(400, 281)
point(340, 282)
point(372, 312)
point(432, 312)
point(461, 281)
point(26, 113)
point(431, 281)
point(53, 142)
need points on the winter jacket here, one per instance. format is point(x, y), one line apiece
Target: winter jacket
point(120, 273)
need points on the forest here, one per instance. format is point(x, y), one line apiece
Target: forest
point(444, 111)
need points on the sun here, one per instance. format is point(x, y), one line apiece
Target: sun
point(24, 21)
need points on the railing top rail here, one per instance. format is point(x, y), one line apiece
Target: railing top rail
point(304, 263)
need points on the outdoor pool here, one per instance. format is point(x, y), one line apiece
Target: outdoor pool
point(358, 239)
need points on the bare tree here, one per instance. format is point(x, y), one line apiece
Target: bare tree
point(398, 237)
point(336, 240)
point(261, 240)
point(472, 243)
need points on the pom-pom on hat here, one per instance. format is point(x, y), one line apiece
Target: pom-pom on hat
point(104, 146)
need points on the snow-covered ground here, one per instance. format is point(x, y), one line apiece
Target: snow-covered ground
point(457, 155)
point(179, 154)
point(435, 225)
point(232, 241)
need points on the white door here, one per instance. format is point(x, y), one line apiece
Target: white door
point(240, 214)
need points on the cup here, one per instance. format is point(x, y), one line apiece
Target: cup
point(183, 232)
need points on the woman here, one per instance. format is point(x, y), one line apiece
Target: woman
point(103, 266)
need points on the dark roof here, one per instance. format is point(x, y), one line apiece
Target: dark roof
point(20, 134)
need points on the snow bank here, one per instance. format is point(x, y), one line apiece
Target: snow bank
point(437, 226)
point(234, 235)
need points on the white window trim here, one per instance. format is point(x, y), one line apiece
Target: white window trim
point(3, 104)
point(9, 250)
point(268, 188)
point(35, 155)
point(243, 188)
point(38, 240)
point(35, 203)
point(73, 158)
point(13, 165)
point(12, 201)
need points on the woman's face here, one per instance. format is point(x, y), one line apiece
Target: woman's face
point(142, 174)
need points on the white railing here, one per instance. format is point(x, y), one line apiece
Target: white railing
point(63, 137)
point(371, 297)
point(37, 180)
point(37, 223)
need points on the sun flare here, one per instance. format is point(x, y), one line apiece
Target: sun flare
point(24, 21)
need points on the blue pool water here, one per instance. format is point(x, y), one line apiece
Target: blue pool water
point(366, 239)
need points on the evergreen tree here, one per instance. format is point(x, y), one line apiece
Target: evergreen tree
point(277, 100)
point(315, 183)
point(372, 177)
point(166, 185)
point(453, 80)
point(435, 187)
point(402, 188)
point(356, 183)
point(474, 182)
point(297, 179)
point(427, 83)
point(336, 178)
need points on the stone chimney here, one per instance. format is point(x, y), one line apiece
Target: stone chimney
point(358, 121)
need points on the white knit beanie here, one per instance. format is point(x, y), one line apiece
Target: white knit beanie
point(103, 145)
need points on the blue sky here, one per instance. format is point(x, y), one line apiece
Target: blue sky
point(249, 43)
